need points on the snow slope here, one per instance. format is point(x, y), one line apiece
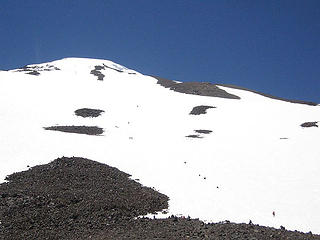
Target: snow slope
point(257, 160)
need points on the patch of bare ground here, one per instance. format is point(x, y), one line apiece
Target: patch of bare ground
point(197, 110)
point(35, 70)
point(77, 198)
point(203, 131)
point(269, 95)
point(96, 72)
point(186, 228)
point(88, 130)
point(309, 124)
point(88, 112)
point(195, 88)
point(193, 136)
point(72, 198)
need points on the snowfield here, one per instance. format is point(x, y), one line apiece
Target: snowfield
point(257, 160)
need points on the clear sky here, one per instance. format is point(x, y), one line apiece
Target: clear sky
point(271, 46)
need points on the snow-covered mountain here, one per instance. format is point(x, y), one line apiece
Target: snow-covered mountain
point(218, 152)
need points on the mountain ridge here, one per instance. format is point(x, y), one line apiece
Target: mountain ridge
point(210, 151)
point(184, 87)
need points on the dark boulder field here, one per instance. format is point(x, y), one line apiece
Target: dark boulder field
point(77, 198)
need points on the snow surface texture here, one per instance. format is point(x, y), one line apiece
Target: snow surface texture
point(257, 160)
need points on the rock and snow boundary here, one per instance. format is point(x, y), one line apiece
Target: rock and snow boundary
point(243, 170)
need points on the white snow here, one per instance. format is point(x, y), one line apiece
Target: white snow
point(241, 171)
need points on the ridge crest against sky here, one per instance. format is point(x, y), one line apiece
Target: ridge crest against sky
point(268, 46)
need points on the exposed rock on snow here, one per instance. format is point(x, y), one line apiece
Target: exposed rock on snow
point(76, 198)
point(96, 72)
point(36, 73)
point(194, 136)
point(36, 69)
point(268, 95)
point(309, 124)
point(203, 131)
point(88, 112)
point(147, 124)
point(196, 88)
point(88, 130)
point(115, 67)
point(197, 110)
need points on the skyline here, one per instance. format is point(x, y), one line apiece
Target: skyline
point(267, 46)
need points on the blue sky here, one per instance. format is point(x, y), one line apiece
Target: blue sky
point(269, 46)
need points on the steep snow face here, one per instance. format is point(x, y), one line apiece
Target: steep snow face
point(248, 158)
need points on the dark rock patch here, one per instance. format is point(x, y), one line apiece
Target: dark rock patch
point(196, 88)
point(88, 112)
point(203, 131)
point(35, 70)
point(25, 69)
point(72, 198)
point(268, 95)
point(197, 110)
point(36, 73)
point(88, 130)
point(309, 124)
point(76, 198)
point(96, 72)
point(29, 70)
point(187, 228)
point(98, 68)
point(194, 136)
point(48, 67)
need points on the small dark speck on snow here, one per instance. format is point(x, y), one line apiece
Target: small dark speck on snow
point(193, 136)
point(33, 73)
point(203, 131)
